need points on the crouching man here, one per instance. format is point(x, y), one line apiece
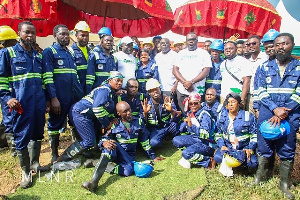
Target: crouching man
point(119, 146)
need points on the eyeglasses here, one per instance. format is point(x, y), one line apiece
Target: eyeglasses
point(252, 43)
point(194, 103)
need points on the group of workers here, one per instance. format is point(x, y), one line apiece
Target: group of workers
point(210, 102)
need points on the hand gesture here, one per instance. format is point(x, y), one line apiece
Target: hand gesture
point(188, 121)
point(146, 106)
point(168, 104)
point(109, 145)
point(248, 152)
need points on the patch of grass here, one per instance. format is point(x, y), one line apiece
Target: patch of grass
point(168, 178)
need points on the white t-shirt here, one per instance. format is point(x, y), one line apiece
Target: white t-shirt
point(261, 58)
point(238, 66)
point(165, 64)
point(191, 64)
point(126, 65)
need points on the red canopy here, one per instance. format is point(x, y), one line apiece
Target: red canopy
point(223, 18)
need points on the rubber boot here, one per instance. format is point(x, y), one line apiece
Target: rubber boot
point(286, 168)
point(261, 173)
point(73, 150)
point(34, 148)
point(11, 144)
point(54, 142)
point(271, 166)
point(24, 160)
point(98, 172)
point(74, 134)
point(110, 168)
point(89, 163)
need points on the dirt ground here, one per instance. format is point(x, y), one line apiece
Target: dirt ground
point(11, 178)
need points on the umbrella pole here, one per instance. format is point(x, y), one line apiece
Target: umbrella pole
point(224, 35)
point(106, 8)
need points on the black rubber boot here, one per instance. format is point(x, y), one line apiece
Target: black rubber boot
point(34, 148)
point(286, 168)
point(11, 144)
point(271, 166)
point(24, 160)
point(98, 172)
point(73, 150)
point(89, 163)
point(261, 173)
point(54, 142)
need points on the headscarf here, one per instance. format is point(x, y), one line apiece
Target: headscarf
point(112, 75)
point(192, 97)
point(233, 95)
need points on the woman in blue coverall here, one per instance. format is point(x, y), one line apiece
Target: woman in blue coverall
point(97, 107)
point(237, 133)
point(198, 144)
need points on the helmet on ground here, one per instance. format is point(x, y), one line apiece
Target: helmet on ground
point(82, 26)
point(142, 170)
point(7, 33)
point(270, 132)
point(135, 46)
point(152, 83)
point(104, 31)
point(217, 45)
point(231, 161)
point(270, 35)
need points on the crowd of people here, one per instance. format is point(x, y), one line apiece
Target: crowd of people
point(210, 102)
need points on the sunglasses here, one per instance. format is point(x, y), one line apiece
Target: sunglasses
point(194, 103)
point(249, 44)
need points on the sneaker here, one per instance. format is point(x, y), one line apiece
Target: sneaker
point(184, 163)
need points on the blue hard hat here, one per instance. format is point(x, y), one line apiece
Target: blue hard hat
point(158, 36)
point(135, 46)
point(270, 35)
point(142, 170)
point(217, 45)
point(104, 31)
point(270, 132)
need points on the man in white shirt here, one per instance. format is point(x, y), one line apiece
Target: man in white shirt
point(191, 69)
point(126, 61)
point(236, 73)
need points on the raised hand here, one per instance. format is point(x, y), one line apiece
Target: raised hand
point(146, 106)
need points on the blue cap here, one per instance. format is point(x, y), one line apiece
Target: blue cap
point(158, 36)
point(217, 45)
point(135, 46)
point(270, 35)
point(104, 31)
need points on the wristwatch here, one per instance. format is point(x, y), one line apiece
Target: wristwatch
point(192, 82)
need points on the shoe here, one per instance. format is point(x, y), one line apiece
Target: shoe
point(184, 163)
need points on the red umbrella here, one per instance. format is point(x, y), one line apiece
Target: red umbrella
point(224, 18)
point(142, 18)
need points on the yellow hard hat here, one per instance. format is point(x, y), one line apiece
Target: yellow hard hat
point(82, 26)
point(147, 41)
point(231, 161)
point(7, 33)
point(178, 42)
point(152, 83)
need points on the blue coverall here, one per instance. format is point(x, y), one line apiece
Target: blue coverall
point(61, 81)
point(165, 127)
point(93, 112)
point(23, 70)
point(274, 92)
point(81, 64)
point(143, 74)
point(214, 79)
point(128, 141)
point(214, 112)
point(245, 129)
point(198, 145)
point(99, 67)
point(135, 104)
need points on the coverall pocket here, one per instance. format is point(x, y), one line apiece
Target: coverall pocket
point(19, 65)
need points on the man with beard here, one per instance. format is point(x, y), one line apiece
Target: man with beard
point(236, 73)
point(257, 58)
point(62, 85)
point(279, 94)
point(191, 69)
point(21, 69)
point(126, 61)
point(81, 50)
point(101, 63)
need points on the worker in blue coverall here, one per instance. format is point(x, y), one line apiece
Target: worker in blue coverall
point(62, 83)
point(211, 104)
point(101, 61)
point(198, 145)
point(160, 114)
point(8, 38)
point(214, 79)
point(21, 66)
point(92, 112)
point(279, 94)
point(237, 133)
point(145, 70)
point(119, 146)
point(133, 97)
point(81, 50)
